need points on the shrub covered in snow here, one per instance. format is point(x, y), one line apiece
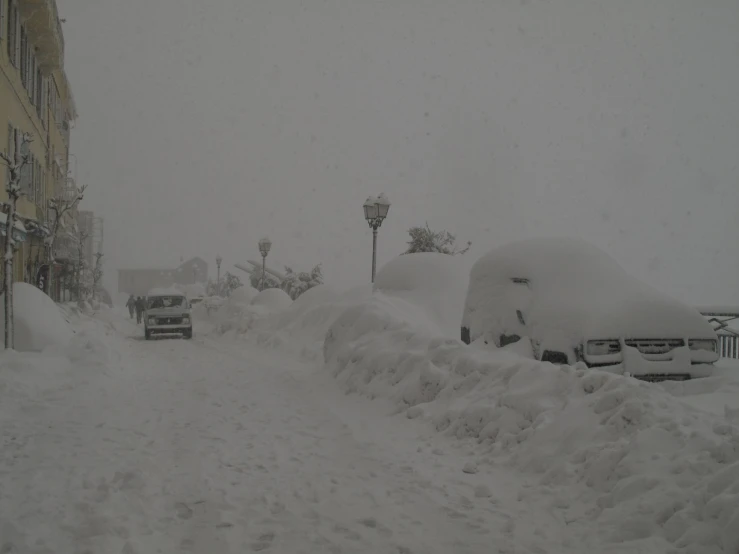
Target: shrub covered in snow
point(625, 457)
point(39, 323)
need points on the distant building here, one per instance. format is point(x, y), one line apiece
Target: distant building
point(141, 281)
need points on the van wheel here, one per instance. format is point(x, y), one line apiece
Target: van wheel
point(555, 357)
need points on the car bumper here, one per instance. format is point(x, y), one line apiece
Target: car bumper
point(678, 364)
point(168, 329)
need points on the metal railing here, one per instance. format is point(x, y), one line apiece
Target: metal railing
point(728, 346)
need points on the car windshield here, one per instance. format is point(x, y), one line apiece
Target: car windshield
point(165, 302)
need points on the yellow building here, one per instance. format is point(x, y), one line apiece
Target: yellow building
point(35, 98)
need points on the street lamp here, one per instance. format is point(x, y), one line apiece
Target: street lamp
point(375, 212)
point(218, 281)
point(264, 245)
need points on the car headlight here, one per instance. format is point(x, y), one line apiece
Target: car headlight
point(702, 344)
point(152, 321)
point(602, 347)
point(185, 319)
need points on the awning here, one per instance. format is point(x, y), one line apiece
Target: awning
point(20, 233)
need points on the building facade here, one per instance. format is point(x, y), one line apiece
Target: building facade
point(35, 98)
point(140, 281)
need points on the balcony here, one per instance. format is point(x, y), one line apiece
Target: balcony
point(42, 22)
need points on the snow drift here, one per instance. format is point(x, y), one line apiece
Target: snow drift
point(272, 300)
point(39, 323)
point(642, 468)
point(434, 282)
point(301, 329)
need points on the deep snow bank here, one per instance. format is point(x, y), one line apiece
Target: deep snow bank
point(436, 283)
point(301, 328)
point(272, 300)
point(39, 323)
point(645, 468)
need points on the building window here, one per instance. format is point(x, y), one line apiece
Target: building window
point(24, 56)
point(26, 169)
point(40, 108)
point(9, 151)
point(55, 101)
point(31, 88)
point(13, 46)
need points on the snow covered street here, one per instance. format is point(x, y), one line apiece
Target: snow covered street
point(200, 446)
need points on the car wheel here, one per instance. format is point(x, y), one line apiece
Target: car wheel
point(187, 334)
point(147, 334)
point(555, 357)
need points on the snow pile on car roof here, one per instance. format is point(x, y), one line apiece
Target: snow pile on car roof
point(434, 282)
point(577, 291)
point(39, 322)
point(629, 466)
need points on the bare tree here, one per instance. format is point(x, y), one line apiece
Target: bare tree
point(15, 165)
point(80, 285)
point(60, 206)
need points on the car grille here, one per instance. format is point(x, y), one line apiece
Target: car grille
point(169, 320)
point(655, 346)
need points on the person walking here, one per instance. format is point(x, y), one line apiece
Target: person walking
point(131, 305)
point(139, 309)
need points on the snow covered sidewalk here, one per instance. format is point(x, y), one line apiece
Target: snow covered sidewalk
point(127, 446)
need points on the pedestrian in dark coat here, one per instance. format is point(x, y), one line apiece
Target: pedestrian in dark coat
point(140, 308)
point(131, 305)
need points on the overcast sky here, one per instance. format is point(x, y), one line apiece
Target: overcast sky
point(205, 124)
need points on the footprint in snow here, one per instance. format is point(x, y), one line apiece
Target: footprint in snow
point(183, 510)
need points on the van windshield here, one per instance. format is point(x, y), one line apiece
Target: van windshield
point(166, 302)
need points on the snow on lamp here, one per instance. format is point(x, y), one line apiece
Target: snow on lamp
point(264, 245)
point(375, 212)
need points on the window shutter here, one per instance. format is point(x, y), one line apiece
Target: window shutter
point(26, 171)
point(9, 151)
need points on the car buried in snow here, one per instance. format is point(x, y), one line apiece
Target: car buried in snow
point(167, 313)
point(574, 303)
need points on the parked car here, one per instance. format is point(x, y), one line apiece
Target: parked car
point(167, 313)
point(575, 303)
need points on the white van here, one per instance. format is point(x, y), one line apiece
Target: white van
point(167, 313)
point(575, 303)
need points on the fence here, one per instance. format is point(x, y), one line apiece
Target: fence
point(728, 346)
point(725, 322)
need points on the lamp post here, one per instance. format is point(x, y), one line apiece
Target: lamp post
point(375, 212)
point(264, 245)
point(218, 278)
